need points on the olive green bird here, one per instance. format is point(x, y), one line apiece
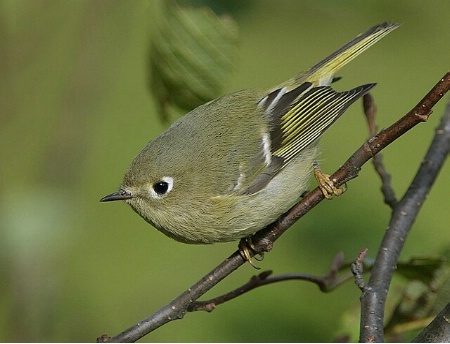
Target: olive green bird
point(233, 165)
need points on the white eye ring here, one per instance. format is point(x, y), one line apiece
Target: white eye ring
point(162, 187)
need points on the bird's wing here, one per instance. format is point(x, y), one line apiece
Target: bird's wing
point(297, 118)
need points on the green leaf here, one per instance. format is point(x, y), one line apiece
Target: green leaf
point(192, 55)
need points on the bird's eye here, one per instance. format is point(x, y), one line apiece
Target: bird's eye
point(162, 187)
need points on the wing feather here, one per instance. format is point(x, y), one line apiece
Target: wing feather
point(308, 117)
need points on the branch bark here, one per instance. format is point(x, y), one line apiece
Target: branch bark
point(264, 239)
point(403, 216)
point(438, 331)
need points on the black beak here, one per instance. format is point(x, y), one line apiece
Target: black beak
point(117, 196)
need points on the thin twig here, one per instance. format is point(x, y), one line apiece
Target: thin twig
point(370, 111)
point(357, 269)
point(326, 283)
point(264, 239)
point(403, 216)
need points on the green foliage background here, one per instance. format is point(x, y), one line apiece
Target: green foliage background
point(76, 108)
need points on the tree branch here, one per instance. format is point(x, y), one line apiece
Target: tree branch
point(438, 331)
point(326, 283)
point(264, 239)
point(403, 216)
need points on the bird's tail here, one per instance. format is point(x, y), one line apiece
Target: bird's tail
point(325, 69)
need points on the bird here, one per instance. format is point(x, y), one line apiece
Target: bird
point(232, 166)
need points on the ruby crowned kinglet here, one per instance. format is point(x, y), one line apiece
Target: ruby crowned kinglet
point(235, 164)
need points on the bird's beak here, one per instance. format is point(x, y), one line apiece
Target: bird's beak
point(117, 196)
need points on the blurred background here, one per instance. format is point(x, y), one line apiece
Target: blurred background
point(76, 108)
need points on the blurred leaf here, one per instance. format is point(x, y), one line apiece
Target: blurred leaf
point(423, 297)
point(192, 55)
point(421, 268)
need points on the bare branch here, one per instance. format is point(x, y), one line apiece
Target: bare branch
point(402, 218)
point(326, 283)
point(438, 331)
point(358, 268)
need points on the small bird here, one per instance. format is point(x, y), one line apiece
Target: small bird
point(232, 166)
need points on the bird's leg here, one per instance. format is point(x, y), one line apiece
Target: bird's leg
point(246, 248)
point(326, 185)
